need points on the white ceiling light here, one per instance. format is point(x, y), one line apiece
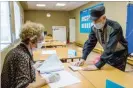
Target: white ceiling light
point(40, 5)
point(48, 15)
point(60, 4)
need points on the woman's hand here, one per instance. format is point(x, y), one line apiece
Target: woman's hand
point(37, 64)
point(37, 84)
point(54, 77)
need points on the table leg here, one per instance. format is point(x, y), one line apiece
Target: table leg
point(71, 59)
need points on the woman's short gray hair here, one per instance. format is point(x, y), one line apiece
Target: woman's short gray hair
point(31, 31)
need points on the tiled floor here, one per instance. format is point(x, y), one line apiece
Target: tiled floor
point(92, 55)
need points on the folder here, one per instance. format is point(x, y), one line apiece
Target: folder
point(111, 84)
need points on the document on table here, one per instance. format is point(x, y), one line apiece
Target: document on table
point(51, 64)
point(71, 53)
point(66, 79)
point(75, 68)
point(49, 52)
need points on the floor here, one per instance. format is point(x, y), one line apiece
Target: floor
point(92, 55)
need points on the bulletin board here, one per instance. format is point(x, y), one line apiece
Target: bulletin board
point(85, 23)
point(129, 27)
point(59, 33)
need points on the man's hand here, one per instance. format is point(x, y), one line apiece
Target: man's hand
point(79, 63)
point(90, 68)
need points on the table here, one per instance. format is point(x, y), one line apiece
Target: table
point(83, 84)
point(98, 78)
point(62, 53)
point(48, 37)
point(47, 40)
point(91, 79)
point(130, 60)
point(54, 43)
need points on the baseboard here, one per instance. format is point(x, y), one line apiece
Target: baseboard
point(97, 50)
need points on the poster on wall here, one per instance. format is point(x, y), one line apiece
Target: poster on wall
point(85, 23)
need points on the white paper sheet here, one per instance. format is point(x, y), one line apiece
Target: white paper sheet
point(51, 64)
point(75, 68)
point(49, 52)
point(66, 79)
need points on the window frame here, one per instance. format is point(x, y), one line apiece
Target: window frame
point(17, 39)
point(10, 28)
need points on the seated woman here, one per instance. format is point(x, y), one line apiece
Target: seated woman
point(18, 69)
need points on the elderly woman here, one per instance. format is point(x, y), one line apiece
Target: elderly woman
point(18, 70)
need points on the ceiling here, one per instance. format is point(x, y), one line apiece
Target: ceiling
point(51, 5)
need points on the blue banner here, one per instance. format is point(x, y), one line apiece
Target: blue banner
point(85, 23)
point(129, 28)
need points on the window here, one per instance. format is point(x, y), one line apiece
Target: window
point(17, 17)
point(5, 27)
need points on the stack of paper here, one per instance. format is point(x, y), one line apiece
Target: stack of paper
point(66, 79)
point(49, 52)
point(51, 64)
point(54, 65)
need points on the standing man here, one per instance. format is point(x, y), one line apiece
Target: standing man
point(110, 35)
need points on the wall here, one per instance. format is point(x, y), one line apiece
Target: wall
point(58, 18)
point(114, 10)
point(6, 50)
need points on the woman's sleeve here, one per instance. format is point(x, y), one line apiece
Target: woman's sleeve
point(23, 72)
